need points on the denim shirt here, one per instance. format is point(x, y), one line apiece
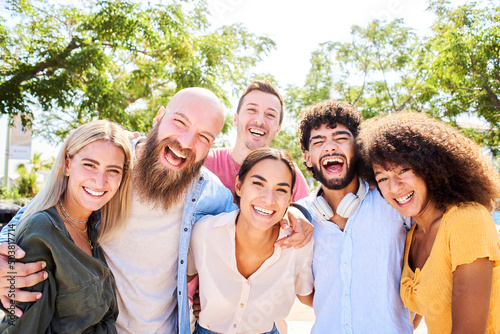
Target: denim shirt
point(206, 196)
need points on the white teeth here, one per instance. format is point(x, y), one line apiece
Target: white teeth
point(177, 154)
point(331, 159)
point(263, 211)
point(404, 199)
point(257, 132)
point(172, 162)
point(94, 193)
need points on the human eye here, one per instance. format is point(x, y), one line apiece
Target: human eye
point(89, 165)
point(317, 142)
point(179, 121)
point(114, 171)
point(381, 179)
point(404, 170)
point(283, 190)
point(258, 183)
point(342, 139)
point(271, 115)
point(205, 139)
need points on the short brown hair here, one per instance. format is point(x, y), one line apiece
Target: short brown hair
point(266, 87)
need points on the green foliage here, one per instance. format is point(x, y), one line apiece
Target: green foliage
point(26, 183)
point(118, 60)
point(12, 194)
point(373, 71)
point(464, 66)
point(386, 68)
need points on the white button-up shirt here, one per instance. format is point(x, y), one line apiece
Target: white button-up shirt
point(230, 303)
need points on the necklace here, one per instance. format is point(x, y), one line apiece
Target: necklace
point(76, 221)
point(77, 230)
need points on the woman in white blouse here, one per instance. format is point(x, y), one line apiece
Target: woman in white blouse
point(246, 284)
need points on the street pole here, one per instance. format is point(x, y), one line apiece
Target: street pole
point(6, 165)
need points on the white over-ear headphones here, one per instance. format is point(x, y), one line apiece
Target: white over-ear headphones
point(346, 207)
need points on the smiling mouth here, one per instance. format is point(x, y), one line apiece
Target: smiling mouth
point(333, 164)
point(404, 199)
point(257, 132)
point(93, 193)
point(174, 158)
point(263, 211)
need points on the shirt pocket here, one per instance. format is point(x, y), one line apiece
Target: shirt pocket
point(91, 299)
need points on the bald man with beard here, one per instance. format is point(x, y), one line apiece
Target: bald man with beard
point(171, 191)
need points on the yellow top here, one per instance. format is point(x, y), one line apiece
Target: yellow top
point(467, 232)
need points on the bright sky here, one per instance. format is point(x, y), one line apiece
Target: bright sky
point(297, 27)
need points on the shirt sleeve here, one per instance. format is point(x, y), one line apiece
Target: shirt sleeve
point(301, 189)
point(472, 235)
point(37, 315)
point(8, 230)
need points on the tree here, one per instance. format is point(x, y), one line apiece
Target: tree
point(464, 64)
point(27, 181)
point(118, 60)
point(374, 71)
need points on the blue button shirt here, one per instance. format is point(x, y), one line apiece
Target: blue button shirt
point(357, 271)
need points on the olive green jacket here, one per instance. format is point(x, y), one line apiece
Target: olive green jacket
point(79, 294)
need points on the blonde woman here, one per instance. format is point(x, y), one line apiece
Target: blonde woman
point(59, 227)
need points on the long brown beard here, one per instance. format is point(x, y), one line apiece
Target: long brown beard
point(156, 184)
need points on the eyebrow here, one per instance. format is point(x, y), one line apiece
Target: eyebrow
point(338, 133)
point(283, 184)
point(184, 117)
point(255, 104)
point(97, 163)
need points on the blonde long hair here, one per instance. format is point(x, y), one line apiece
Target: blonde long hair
point(115, 212)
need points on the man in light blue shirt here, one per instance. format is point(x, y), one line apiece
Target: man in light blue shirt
point(359, 237)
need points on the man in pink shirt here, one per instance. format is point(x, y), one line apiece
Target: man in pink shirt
point(257, 120)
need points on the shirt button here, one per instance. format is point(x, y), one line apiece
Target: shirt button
point(345, 265)
point(346, 326)
point(185, 229)
point(182, 261)
point(241, 305)
point(234, 325)
point(346, 296)
point(193, 199)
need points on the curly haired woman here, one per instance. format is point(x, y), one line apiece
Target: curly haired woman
point(431, 172)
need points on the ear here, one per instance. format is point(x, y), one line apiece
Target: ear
point(307, 158)
point(67, 165)
point(237, 186)
point(159, 115)
point(279, 129)
point(235, 120)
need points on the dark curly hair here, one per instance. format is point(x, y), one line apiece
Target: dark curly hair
point(452, 166)
point(329, 112)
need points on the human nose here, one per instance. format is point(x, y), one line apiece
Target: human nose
point(394, 185)
point(186, 140)
point(100, 179)
point(259, 118)
point(268, 196)
point(330, 145)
